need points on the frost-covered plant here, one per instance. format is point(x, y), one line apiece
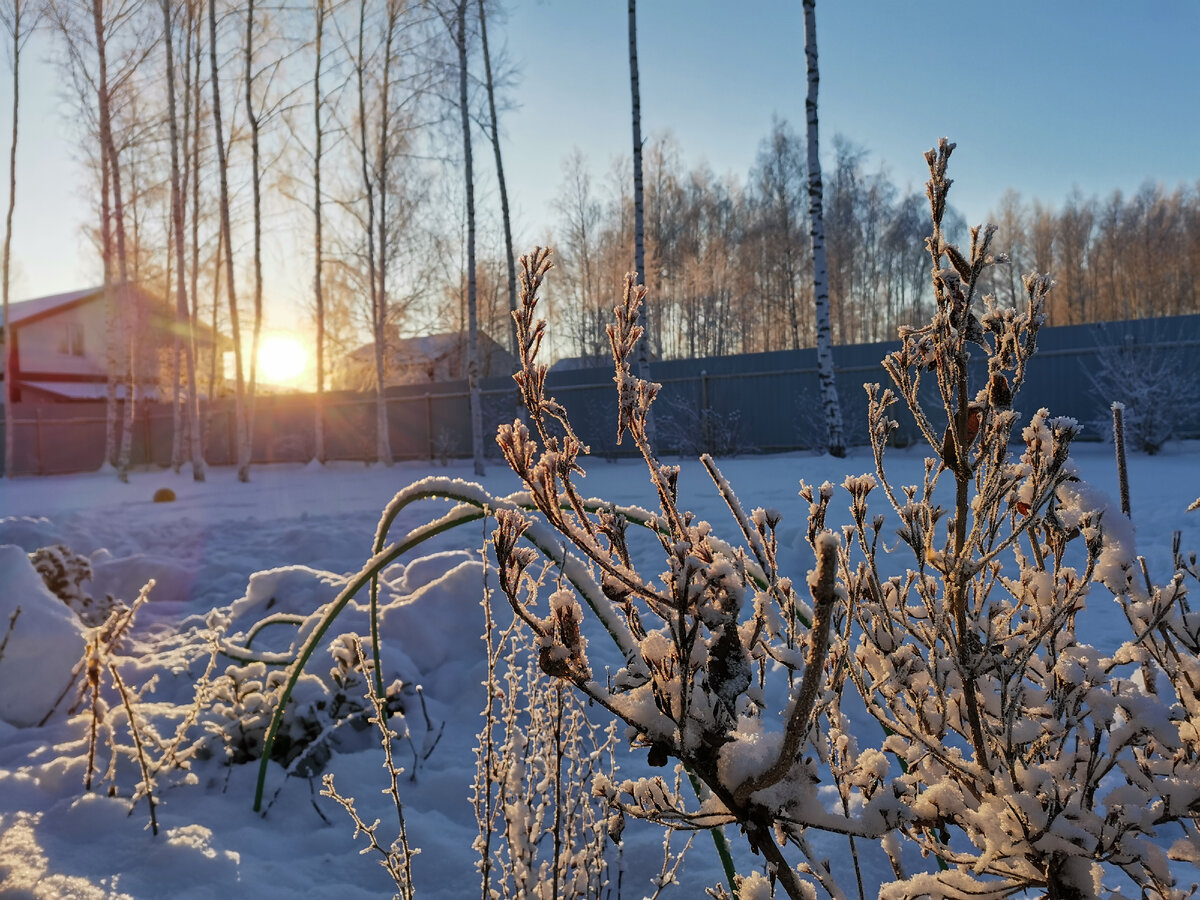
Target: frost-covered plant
point(8, 630)
point(1012, 755)
point(540, 836)
point(690, 431)
point(64, 571)
point(110, 706)
point(1158, 385)
point(396, 858)
point(245, 697)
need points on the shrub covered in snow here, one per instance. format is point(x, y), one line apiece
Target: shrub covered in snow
point(64, 572)
point(1010, 754)
point(1159, 387)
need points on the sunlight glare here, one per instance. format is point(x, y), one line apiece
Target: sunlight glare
point(283, 359)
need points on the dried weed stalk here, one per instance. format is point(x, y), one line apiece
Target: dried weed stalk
point(396, 858)
point(539, 835)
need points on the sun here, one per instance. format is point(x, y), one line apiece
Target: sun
point(283, 359)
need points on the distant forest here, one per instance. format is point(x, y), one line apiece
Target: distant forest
point(728, 263)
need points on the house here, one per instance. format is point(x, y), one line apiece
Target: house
point(420, 360)
point(60, 346)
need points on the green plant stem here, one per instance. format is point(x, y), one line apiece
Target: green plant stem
point(720, 842)
point(372, 568)
point(470, 509)
point(277, 619)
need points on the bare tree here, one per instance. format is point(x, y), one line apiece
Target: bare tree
point(19, 22)
point(88, 28)
point(639, 248)
point(829, 397)
point(320, 12)
point(494, 134)
point(254, 117)
point(582, 214)
point(779, 181)
point(185, 334)
point(240, 413)
point(476, 402)
point(114, 165)
point(380, 110)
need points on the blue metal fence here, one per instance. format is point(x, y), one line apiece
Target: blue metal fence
point(753, 403)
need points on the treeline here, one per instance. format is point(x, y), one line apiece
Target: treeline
point(728, 261)
point(343, 155)
point(242, 153)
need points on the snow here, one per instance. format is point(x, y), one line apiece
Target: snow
point(286, 543)
point(40, 664)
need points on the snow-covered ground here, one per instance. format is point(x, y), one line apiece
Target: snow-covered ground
point(204, 550)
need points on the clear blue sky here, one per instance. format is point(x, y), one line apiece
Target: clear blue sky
point(1040, 96)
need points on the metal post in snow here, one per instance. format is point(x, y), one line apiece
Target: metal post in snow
point(429, 423)
point(37, 439)
point(148, 434)
point(230, 433)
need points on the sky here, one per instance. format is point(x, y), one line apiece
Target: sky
point(1040, 97)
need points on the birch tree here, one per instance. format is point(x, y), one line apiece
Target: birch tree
point(105, 44)
point(242, 424)
point(255, 113)
point(494, 135)
point(375, 191)
point(639, 235)
point(19, 22)
point(320, 12)
point(185, 335)
point(829, 398)
point(101, 27)
point(476, 401)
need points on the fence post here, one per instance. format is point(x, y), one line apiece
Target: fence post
point(705, 416)
point(147, 433)
point(429, 423)
point(230, 428)
point(37, 439)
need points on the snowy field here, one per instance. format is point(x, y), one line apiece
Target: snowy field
point(204, 551)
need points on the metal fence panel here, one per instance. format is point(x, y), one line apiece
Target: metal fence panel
point(761, 402)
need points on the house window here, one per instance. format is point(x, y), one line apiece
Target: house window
point(70, 339)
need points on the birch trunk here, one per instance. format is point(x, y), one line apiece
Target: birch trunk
point(183, 316)
point(318, 247)
point(113, 172)
point(472, 310)
point(382, 173)
point(509, 256)
point(383, 450)
point(230, 287)
point(639, 234)
point(12, 21)
point(196, 58)
point(247, 435)
point(829, 397)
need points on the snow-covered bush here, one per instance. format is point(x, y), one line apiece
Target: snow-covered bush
point(1010, 754)
point(321, 712)
point(1159, 386)
point(690, 431)
point(64, 571)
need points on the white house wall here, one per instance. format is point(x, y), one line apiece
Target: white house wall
point(39, 343)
